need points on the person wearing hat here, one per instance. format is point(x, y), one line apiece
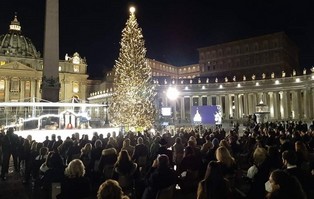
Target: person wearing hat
point(163, 150)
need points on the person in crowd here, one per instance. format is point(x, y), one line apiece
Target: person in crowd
point(213, 186)
point(110, 189)
point(154, 147)
point(46, 142)
point(281, 185)
point(30, 162)
point(163, 149)
point(258, 173)
point(274, 157)
point(112, 142)
point(86, 156)
point(140, 155)
point(57, 143)
point(207, 145)
point(75, 185)
point(125, 171)
point(52, 142)
point(74, 151)
point(285, 144)
point(178, 151)
point(188, 170)
point(39, 160)
point(52, 169)
point(289, 159)
point(303, 158)
point(9, 147)
point(159, 177)
point(227, 162)
point(107, 160)
point(127, 146)
point(25, 156)
point(95, 155)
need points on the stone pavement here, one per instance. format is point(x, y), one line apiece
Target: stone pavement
point(13, 187)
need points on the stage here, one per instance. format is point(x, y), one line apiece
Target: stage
point(40, 135)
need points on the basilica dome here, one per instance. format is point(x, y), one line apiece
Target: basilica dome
point(15, 44)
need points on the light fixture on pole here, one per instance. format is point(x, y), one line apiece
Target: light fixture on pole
point(172, 94)
point(106, 113)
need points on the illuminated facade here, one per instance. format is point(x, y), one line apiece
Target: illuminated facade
point(270, 75)
point(21, 68)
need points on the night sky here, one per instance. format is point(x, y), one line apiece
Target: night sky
point(173, 30)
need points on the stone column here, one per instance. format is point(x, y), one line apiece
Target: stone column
point(227, 107)
point(276, 98)
point(50, 83)
point(246, 104)
point(7, 89)
point(306, 103)
point(240, 104)
point(33, 89)
point(271, 105)
point(182, 108)
point(296, 96)
point(38, 89)
point(22, 90)
point(286, 105)
point(236, 104)
point(209, 100)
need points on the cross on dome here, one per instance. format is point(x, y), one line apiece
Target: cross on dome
point(15, 25)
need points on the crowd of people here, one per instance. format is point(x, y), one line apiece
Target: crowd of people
point(271, 160)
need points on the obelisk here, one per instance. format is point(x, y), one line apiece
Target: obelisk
point(50, 80)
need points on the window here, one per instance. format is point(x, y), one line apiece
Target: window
point(76, 68)
point(204, 101)
point(27, 85)
point(75, 87)
point(1, 85)
point(15, 85)
point(2, 63)
point(195, 101)
point(59, 68)
point(214, 102)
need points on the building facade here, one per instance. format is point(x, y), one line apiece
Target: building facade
point(21, 68)
point(261, 69)
point(244, 57)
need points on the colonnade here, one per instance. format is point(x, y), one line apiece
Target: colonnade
point(283, 105)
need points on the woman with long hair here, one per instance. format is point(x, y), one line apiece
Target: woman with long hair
point(213, 186)
point(110, 189)
point(227, 162)
point(125, 169)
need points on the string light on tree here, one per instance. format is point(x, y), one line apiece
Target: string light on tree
point(133, 97)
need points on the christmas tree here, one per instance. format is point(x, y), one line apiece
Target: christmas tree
point(133, 97)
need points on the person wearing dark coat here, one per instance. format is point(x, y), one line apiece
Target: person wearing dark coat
point(160, 176)
point(163, 150)
point(9, 145)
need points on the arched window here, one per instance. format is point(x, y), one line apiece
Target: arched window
point(75, 87)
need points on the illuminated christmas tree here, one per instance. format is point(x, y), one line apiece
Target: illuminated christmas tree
point(133, 97)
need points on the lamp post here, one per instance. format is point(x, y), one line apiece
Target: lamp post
point(106, 113)
point(198, 120)
point(172, 94)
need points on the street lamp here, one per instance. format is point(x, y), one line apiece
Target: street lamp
point(106, 112)
point(172, 94)
point(198, 120)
